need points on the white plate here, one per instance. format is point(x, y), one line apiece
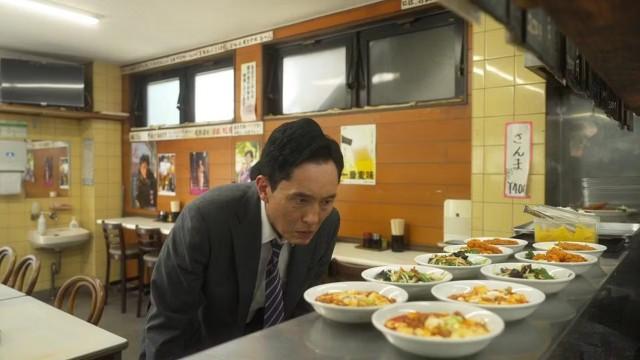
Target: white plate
point(506, 312)
point(562, 276)
point(576, 267)
point(506, 252)
point(351, 314)
point(415, 290)
point(521, 243)
point(458, 272)
point(599, 249)
point(438, 347)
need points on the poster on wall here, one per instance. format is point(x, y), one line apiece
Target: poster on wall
point(143, 180)
point(199, 173)
point(47, 169)
point(358, 145)
point(517, 159)
point(248, 92)
point(64, 173)
point(167, 174)
point(30, 170)
point(247, 154)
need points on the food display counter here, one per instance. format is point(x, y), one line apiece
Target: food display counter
point(578, 322)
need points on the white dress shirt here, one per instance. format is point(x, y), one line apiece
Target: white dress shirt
point(268, 234)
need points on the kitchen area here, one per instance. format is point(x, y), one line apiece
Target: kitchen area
point(455, 121)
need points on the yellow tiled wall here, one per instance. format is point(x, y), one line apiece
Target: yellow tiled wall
point(89, 202)
point(503, 90)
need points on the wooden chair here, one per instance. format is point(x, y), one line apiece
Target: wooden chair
point(118, 251)
point(6, 252)
point(341, 271)
point(20, 273)
point(69, 291)
point(149, 243)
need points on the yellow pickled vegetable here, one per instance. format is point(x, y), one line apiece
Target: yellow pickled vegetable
point(562, 233)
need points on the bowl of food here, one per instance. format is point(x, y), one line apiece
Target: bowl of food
point(459, 264)
point(547, 278)
point(353, 301)
point(578, 263)
point(438, 329)
point(574, 246)
point(416, 280)
point(511, 243)
point(511, 301)
point(478, 247)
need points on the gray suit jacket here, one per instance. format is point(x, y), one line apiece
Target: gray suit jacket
point(202, 285)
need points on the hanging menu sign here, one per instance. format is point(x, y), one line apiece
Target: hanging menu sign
point(517, 159)
point(249, 128)
point(408, 4)
point(13, 129)
point(199, 53)
point(248, 92)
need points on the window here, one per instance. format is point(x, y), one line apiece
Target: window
point(197, 93)
point(162, 102)
point(404, 61)
point(214, 95)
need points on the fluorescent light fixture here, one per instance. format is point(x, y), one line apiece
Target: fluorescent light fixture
point(54, 10)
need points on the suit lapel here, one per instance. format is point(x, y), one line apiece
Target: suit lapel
point(246, 245)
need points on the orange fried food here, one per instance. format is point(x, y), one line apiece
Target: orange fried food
point(556, 254)
point(482, 247)
point(501, 242)
point(573, 246)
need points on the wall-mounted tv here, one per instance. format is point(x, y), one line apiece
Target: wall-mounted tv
point(41, 83)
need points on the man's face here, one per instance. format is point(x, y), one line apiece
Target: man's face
point(298, 206)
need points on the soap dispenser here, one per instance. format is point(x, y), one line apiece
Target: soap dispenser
point(74, 223)
point(42, 224)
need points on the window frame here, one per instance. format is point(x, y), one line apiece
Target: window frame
point(186, 97)
point(413, 25)
point(276, 56)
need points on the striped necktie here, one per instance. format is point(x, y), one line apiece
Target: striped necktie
point(273, 300)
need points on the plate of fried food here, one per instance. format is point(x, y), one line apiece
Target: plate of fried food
point(574, 246)
point(511, 243)
point(459, 264)
point(416, 280)
point(511, 301)
point(353, 301)
point(438, 329)
point(578, 263)
point(478, 247)
point(547, 278)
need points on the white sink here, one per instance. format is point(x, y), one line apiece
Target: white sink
point(59, 238)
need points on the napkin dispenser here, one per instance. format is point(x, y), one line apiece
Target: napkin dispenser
point(13, 161)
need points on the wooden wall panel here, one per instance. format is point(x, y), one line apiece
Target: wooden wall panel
point(423, 153)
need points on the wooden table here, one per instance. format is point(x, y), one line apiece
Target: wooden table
point(9, 293)
point(31, 329)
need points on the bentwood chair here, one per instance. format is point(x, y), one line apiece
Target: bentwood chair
point(7, 254)
point(149, 243)
point(117, 250)
point(27, 268)
point(69, 292)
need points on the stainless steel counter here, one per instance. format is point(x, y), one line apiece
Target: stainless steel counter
point(313, 337)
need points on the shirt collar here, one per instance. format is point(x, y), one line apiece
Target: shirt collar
point(268, 233)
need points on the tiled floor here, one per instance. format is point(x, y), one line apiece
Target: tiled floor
point(126, 325)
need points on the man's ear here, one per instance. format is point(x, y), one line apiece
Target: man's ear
point(263, 188)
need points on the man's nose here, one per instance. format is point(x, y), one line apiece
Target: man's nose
point(312, 215)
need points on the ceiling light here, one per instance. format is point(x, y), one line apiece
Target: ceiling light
point(54, 10)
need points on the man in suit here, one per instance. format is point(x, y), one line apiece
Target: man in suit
point(209, 285)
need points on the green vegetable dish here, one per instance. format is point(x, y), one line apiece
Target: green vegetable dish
point(406, 276)
point(526, 272)
point(458, 258)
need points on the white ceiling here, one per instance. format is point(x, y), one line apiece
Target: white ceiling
point(135, 30)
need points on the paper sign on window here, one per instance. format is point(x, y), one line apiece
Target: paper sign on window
point(517, 159)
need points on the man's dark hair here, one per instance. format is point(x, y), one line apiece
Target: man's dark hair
point(144, 158)
point(293, 144)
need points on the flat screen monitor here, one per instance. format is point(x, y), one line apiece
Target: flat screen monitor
point(41, 83)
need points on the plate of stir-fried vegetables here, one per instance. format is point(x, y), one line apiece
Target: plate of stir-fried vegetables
point(416, 280)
